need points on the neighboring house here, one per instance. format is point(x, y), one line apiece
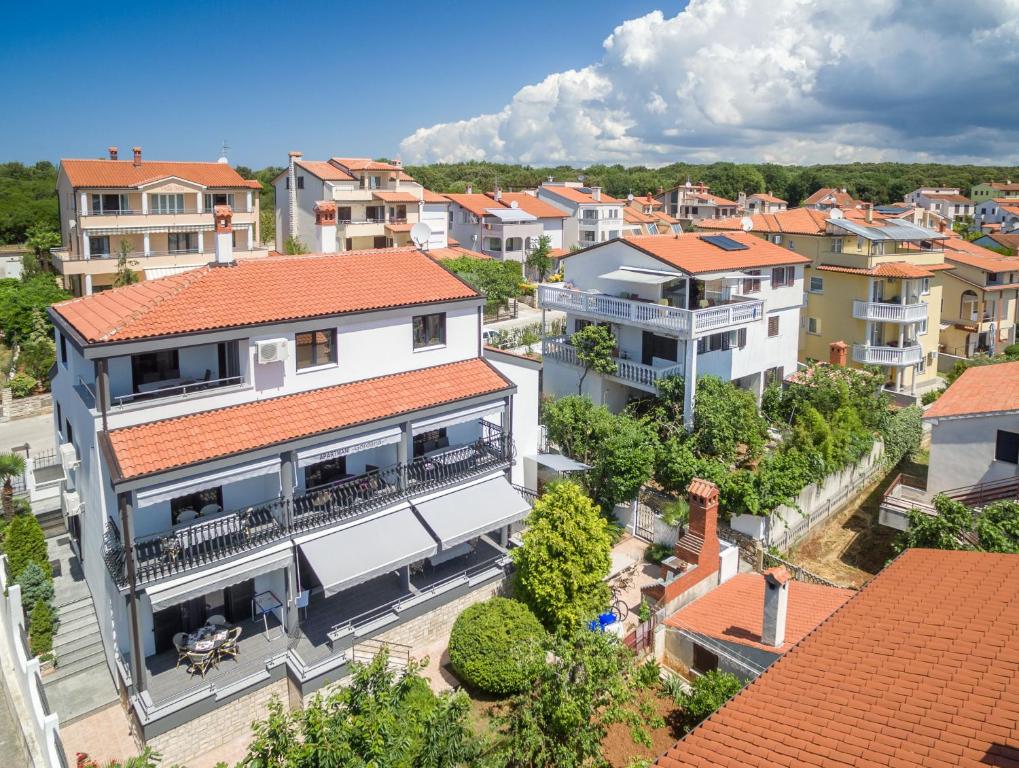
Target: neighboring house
point(313, 447)
point(377, 203)
point(914, 214)
point(1008, 242)
point(593, 217)
point(161, 210)
point(693, 202)
point(916, 670)
point(947, 202)
point(827, 198)
point(992, 189)
point(978, 300)
point(873, 282)
point(760, 202)
point(688, 305)
point(504, 225)
point(644, 216)
point(1000, 215)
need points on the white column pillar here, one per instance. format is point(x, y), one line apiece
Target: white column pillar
point(87, 285)
point(199, 202)
point(86, 246)
point(250, 204)
point(146, 245)
point(201, 241)
point(84, 204)
point(145, 202)
point(690, 387)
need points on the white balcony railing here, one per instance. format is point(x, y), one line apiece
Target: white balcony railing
point(681, 322)
point(629, 371)
point(897, 356)
point(889, 313)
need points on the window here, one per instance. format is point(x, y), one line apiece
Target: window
point(316, 348)
point(182, 242)
point(782, 276)
point(99, 246)
point(1007, 447)
point(776, 239)
point(68, 431)
point(154, 367)
point(218, 198)
point(379, 241)
point(167, 203)
point(579, 325)
point(432, 440)
point(60, 417)
point(325, 472)
point(925, 286)
point(114, 203)
point(817, 285)
point(300, 182)
point(836, 245)
point(720, 342)
point(752, 284)
point(63, 349)
point(493, 244)
point(921, 327)
point(195, 502)
point(773, 325)
point(343, 214)
point(429, 330)
point(374, 182)
point(813, 325)
point(587, 236)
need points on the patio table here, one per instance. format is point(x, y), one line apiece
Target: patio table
point(207, 638)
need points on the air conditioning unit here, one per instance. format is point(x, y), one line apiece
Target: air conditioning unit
point(69, 457)
point(72, 503)
point(272, 351)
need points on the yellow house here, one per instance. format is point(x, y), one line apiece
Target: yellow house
point(980, 295)
point(874, 282)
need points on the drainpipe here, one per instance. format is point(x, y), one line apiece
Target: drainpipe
point(126, 510)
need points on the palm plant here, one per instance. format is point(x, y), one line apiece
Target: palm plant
point(11, 465)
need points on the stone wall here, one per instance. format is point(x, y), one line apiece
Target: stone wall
point(18, 408)
point(189, 742)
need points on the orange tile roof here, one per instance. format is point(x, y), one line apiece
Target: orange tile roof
point(892, 269)
point(768, 198)
point(949, 197)
point(577, 196)
point(475, 202)
point(981, 389)
point(256, 291)
point(455, 251)
point(125, 174)
point(403, 226)
point(635, 216)
point(393, 196)
point(918, 670)
point(1004, 186)
point(707, 197)
point(323, 170)
point(363, 164)
point(162, 445)
point(693, 254)
point(842, 199)
point(734, 611)
point(965, 252)
point(532, 205)
point(433, 197)
point(795, 221)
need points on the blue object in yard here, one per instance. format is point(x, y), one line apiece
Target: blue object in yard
point(603, 620)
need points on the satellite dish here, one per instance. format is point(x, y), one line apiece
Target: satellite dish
point(420, 233)
point(629, 197)
point(835, 214)
point(514, 204)
point(746, 224)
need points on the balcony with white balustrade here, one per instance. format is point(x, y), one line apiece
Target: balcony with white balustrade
point(627, 371)
point(888, 312)
point(906, 355)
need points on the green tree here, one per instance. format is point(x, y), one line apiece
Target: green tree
point(36, 585)
point(708, 692)
point(577, 425)
point(24, 543)
point(39, 239)
point(624, 460)
point(40, 629)
point(956, 526)
point(38, 350)
point(21, 302)
point(498, 281)
point(727, 424)
point(596, 348)
point(539, 259)
point(125, 275)
point(147, 759)
point(11, 466)
point(561, 568)
point(294, 247)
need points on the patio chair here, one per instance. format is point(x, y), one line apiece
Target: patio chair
point(210, 509)
point(180, 642)
point(216, 620)
point(231, 647)
point(200, 662)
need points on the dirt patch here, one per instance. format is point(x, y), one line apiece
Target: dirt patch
point(621, 750)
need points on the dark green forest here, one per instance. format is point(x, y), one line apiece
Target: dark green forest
point(28, 197)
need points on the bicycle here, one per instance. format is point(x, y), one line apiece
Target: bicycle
point(622, 582)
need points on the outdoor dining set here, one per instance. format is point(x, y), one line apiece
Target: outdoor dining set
point(204, 648)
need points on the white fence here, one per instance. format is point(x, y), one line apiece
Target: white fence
point(40, 726)
point(815, 504)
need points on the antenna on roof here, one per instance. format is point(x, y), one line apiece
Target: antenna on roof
point(223, 150)
point(746, 224)
point(420, 233)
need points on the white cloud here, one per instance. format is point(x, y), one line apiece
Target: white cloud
point(790, 81)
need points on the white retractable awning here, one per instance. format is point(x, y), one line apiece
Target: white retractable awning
point(449, 419)
point(637, 276)
point(366, 549)
point(348, 445)
point(167, 491)
point(469, 512)
point(558, 462)
point(191, 585)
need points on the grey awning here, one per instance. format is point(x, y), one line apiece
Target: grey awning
point(637, 276)
point(469, 512)
point(559, 463)
point(367, 549)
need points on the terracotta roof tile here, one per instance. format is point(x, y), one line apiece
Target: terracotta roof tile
point(966, 252)
point(577, 195)
point(693, 254)
point(795, 221)
point(125, 174)
point(161, 445)
point(324, 170)
point(433, 197)
point(734, 611)
point(455, 251)
point(919, 669)
point(766, 198)
point(255, 291)
point(892, 269)
point(953, 197)
point(363, 164)
point(394, 196)
point(476, 203)
point(532, 205)
point(981, 389)
point(842, 199)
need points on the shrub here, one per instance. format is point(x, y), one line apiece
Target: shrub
point(929, 397)
point(41, 629)
point(709, 691)
point(24, 543)
point(36, 586)
point(902, 434)
point(23, 385)
point(676, 512)
point(648, 674)
point(657, 552)
point(1012, 350)
point(496, 646)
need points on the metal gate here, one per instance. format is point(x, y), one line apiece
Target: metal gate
point(644, 522)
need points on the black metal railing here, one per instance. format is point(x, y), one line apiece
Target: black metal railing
point(206, 541)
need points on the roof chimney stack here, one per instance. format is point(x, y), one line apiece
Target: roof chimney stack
point(223, 217)
point(113, 152)
point(776, 605)
point(497, 195)
point(838, 353)
point(293, 156)
point(596, 194)
point(470, 189)
point(325, 226)
point(869, 210)
point(137, 155)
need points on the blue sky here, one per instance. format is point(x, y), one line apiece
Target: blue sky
point(351, 78)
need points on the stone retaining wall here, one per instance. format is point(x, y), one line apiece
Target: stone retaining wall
point(19, 408)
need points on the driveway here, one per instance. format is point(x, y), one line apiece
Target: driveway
point(37, 431)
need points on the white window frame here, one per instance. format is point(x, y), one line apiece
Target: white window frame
point(820, 286)
point(925, 286)
point(817, 326)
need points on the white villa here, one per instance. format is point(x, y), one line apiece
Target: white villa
point(504, 225)
point(593, 217)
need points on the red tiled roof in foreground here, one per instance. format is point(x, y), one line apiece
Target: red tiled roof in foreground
point(162, 445)
point(981, 389)
point(919, 669)
point(255, 291)
point(693, 254)
point(734, 611)
point(124, 173)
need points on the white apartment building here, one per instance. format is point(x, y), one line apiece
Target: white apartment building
point(689, 305)
point(313, 447)
point(504, 225)
point(161, 212)
point(377, 203)
point(593, 217)
point(1000, 214)
point(761, 202)
point(947, 202)
point(694, 202)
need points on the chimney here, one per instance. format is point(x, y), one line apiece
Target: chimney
point(113, 152)
point(869, 210)
point(941, 226)
point(497, 195)
point(741, 201)
point(596, 194)
point(776, 605)
point(702, 497)
point(223, 216)
point(325, 227)
point(137, 155)
point(470, 189)
point(838, 353)
point(291, 195)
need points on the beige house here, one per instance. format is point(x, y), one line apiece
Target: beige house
point(159, 213)
point(874, 283)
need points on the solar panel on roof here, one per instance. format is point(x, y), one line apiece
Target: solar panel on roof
point(725, 243)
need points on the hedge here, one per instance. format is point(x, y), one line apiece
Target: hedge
point(41, 629)
point(24, 543)
point(496, 646)
point(902, 434)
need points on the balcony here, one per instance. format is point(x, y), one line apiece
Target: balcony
point(910, 354)
point(187, 547)
point(628, 371)
point(684, 323)
point(887, 312)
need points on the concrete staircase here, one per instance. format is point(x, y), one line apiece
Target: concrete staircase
point(52, 523)
point(77, 645)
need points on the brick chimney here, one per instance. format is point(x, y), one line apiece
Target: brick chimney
point(137, 155)
point(223, 216)
point(776, 606)
point(113, 152)
point(838, 353)
point(325, 226)
point(697, 551)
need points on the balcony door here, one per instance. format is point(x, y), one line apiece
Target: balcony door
point(661, 347)
point(151, 368)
